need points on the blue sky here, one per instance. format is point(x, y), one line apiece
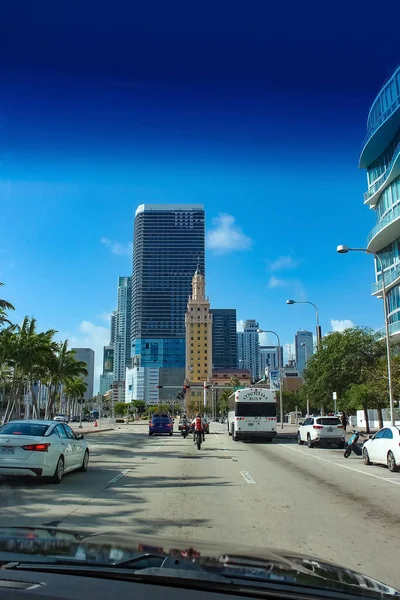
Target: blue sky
point(257, 113)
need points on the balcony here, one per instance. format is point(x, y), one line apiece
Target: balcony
point(382, 129)
point(390, 279)
point(392, 171)
point(385, 231)
point(394, 332)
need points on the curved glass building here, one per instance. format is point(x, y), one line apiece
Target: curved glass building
point(381, 158)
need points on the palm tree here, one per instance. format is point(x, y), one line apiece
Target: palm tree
point(73, 390)
point(4, 305)
point(62, 367)
point(29, 353)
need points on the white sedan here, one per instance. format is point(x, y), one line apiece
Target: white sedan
point(383, 448)
point(41, 449)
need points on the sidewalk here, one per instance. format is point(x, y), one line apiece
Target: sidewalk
point(89, 428)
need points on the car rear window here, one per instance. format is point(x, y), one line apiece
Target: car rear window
point(329, 421)
point(161, 419)
point(16, 428)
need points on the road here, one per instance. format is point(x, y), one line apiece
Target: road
point(278, 495)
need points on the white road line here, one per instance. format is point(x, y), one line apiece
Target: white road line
point(158, 448)
point(342, 466)
point(217, 436)
point(119, 476)
point(247, 477)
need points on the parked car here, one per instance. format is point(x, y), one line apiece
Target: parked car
point(41, 449)
point(383, 448)
point(161, 424)
point(61, 417)
point(75, 419)
point(321, 430)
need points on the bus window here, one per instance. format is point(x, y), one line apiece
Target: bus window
point(255, 409)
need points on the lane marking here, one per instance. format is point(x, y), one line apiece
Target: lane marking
point(247, 477)
point(217, 436)
point(158, 448)
point(331, 462)
point(119, 476)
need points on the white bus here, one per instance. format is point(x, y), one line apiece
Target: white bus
point(252, 414)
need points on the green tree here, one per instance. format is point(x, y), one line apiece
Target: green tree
point(74, 389)
point(120, 409)
point(341, 361)
point(62, 367)
point(4, 305)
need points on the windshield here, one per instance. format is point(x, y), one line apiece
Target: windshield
point(200, 203)
point(255, 409)
point(21, 428)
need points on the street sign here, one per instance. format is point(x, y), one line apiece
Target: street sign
point(334, 396)
point(239, 387)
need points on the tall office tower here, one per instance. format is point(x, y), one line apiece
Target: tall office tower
point(224, 342)
point(304, 345)
point(86, 355)
point(168, 244)
point(248, 348)
point(122, 329)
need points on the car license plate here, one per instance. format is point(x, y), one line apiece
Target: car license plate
point(7, 450)
point(250, 424)
point(329, 429)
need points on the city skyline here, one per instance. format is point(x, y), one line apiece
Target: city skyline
point(209, 133)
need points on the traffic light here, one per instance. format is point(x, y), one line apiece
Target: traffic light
point(159, 386)
point(186, 387)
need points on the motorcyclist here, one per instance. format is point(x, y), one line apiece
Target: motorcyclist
point(184, 421)
point(198, 424)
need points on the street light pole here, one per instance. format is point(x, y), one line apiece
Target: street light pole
point(280, 370)
point(308, 400)
point(341, 249)
point(316, 316)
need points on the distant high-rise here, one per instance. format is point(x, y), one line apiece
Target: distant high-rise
point(168, 243)
point(86, 355)
point(224, 342)
point(269, 356)
point(304, 345)
point(113, 322)
point(122, 329)
point(248, 348)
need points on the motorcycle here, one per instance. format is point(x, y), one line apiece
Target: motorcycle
point(185, 431)
point(351, 445)
point(198, 439)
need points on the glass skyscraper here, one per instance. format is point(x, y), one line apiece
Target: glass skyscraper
point(224, 342)
point(168, 245)
point(381, 158)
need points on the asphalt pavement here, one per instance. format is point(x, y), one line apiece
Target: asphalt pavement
point(277, 495)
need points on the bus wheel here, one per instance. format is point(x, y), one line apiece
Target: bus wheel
point(234, 437)
point(229, 431)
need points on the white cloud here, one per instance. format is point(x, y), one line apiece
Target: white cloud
point(118, 248)
point(283, 262)
point(274, 282)
point(226, 236)
point(341, 325)
point(94, 337)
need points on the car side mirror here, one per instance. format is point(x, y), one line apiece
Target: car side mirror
point(301, 423)
point(80, 436)
point(371, 437)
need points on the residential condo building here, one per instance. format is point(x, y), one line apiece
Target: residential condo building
point(381, 158)
point(269, 357)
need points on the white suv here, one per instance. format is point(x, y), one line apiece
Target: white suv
point(321, 430)
point(61, 417)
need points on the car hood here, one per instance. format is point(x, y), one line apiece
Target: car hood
point(109, 548)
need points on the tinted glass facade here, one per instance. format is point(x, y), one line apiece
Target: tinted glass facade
point(168, 244)
point(383, 174)
point(224, 341)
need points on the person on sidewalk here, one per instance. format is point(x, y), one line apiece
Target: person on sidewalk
point(344, 421)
